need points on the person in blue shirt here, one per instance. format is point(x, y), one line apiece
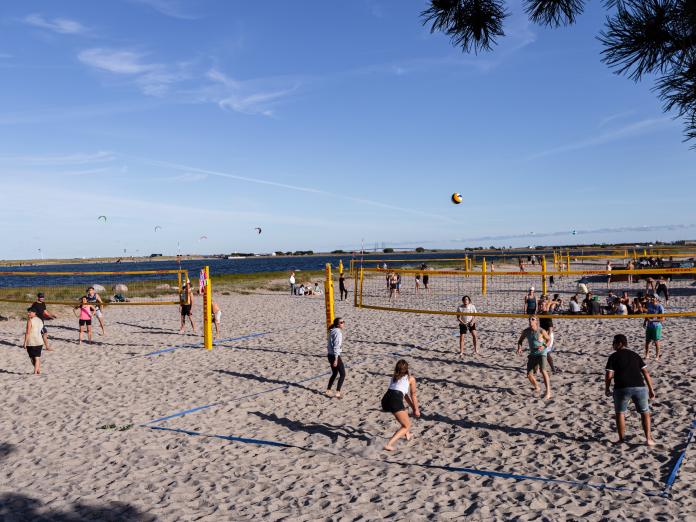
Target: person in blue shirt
point(653, 326)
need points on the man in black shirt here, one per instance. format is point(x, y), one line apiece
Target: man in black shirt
point(630, 376)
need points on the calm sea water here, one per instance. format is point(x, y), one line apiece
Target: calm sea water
point(250, 265)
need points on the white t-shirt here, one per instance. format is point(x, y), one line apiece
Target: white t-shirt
point(292, 279)
point(621, 309)
point(467, 318)
point(574, 306)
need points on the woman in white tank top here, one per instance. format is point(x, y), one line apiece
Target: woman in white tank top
point(33, 340)
point(402, 386)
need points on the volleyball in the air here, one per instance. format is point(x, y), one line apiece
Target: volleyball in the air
point(456, 198)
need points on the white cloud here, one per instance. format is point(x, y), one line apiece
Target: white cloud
point(153, 79)
point(172, 8)
point(56, 160)
point(613, 117)
point(252, 97)
point(627, 131)
point(187, 177)
point(116, 61)
point(299, 188)
point(57, 25)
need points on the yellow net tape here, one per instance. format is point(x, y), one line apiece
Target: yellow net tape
point(139, 288)
point(503, 293)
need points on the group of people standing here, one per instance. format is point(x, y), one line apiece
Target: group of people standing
point(36, 333)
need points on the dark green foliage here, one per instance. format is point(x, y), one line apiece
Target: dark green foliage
point(641, 37)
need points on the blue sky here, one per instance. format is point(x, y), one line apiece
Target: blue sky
point(324, 123)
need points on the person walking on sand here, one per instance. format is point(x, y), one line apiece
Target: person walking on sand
point(216, 315)
point(538, 339)
point(402, 386)
point(85, 318)
point(608, 273)
point(342, 286)
point(95, 300)
point(653, 326)
point(630, 375)
point(33, 339)
point(292, 284)
point(186, 304)
point(334, 349)
point(467, 322)
point(42, 313)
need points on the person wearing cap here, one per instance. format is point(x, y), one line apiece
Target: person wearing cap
point(186, 304)
point(653, 326)
point(39, 307)
point(530, 302)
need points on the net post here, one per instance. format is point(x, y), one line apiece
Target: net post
point(568, 261)
point(329, 297)
point(340, 266)
point(483, 277)
point(207, 310)
point(543, 275)
point(355, 287)
point(361, 287)
point(645, 253)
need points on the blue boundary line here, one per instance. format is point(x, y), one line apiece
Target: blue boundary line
point(665, 492)
point(276, 388)
point(454, 469)
point(199, 345)
point(680, 460)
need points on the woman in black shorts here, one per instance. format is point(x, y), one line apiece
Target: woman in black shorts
point(33, 340)
point(402, 386)
point(186, 303)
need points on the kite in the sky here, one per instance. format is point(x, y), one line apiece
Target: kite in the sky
point(202, 238)
point(102, 217)
point(575, 232)
point(258, 230)
point(157, 227)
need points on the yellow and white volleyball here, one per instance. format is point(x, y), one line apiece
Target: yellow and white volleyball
point(456, 198)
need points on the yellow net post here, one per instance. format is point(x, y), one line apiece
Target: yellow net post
point(483, 277)
point(568, 261)
point(340, 266)
point(207, 310)
point(329, 297)
point(645, 253)
point(543, 275)
point(361, 286)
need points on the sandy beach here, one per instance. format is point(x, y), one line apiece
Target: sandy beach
point(261, 441)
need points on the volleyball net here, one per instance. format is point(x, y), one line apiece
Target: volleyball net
point(145, 287)
point(503, 293)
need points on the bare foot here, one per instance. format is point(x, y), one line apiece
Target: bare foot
point(388, 447)
point(548, 395)
point(338, 395)
point(328, 393)
point(537, 391)
point(409, 436)
point(650, 442)
point(618, 442)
